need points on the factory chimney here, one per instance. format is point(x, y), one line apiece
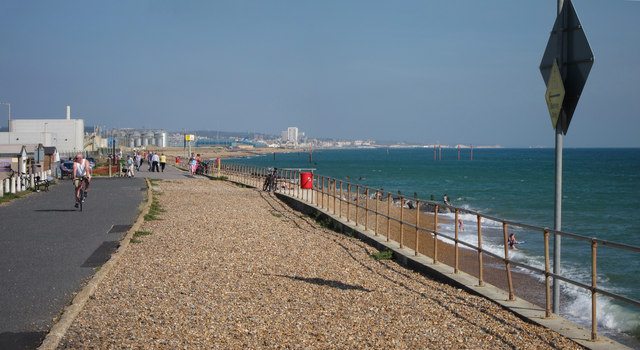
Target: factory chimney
point(68, 112)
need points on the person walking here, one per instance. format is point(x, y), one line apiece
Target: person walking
point(163, 161)
point(193, 164)
point(156, 161)
point(129, 166)
point(149, 156)
point(138, 161)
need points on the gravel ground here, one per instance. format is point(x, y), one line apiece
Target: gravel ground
point(230, 267)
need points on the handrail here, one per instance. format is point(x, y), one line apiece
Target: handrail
point(253, 175)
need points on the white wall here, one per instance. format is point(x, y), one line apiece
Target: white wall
point(65, 134)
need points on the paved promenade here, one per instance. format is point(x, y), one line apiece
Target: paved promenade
point(48, 248)
point(229, 267)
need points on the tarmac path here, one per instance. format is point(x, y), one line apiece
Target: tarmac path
point(48, 249)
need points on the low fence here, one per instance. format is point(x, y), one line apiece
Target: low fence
point(414, 223)
point(16, 182)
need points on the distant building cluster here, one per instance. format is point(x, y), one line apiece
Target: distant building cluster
point(292, 136)
point(137, 138)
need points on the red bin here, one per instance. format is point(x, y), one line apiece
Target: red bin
point(306, 181)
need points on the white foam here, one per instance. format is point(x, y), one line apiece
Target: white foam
point(612, 318)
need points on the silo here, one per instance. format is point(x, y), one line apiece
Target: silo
point(147, 138)
point(165, 138)
point(137, 138)
point(160, 138)
point(130, 141)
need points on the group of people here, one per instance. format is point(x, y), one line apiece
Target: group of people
point(157, 162)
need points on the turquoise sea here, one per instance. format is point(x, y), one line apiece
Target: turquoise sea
point(601, 198)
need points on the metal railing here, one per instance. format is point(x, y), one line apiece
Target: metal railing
point(367, 207)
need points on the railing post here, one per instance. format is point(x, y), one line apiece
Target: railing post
point(388, 216)
point(401, 221)
point(375, 232)
point(366, 210)
point(594, 284)
point(480, 267)
point(435, 235)
point(357, 202)
point(321, 190)
point(334, 196)
point(317, 192)
point(325, 192)
point(348, 202)
point(507, 261)
point(340, 211)
point(547, 279)
point(456, 252)
point(417, 225)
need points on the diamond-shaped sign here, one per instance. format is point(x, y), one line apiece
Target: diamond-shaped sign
point(568, 46)
point(554, 94)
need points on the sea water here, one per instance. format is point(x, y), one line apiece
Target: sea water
point(600, 198)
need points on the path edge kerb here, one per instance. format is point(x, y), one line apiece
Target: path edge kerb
point(405, 256)
point(58, 331)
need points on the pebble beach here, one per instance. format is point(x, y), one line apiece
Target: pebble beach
point(228, 267)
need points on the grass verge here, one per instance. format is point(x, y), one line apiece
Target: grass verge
point(141, 233)
point(154, 210)
point(383, 255)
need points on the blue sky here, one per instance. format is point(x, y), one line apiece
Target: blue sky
point(451, 72)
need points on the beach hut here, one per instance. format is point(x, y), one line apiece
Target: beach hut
point(13, 158)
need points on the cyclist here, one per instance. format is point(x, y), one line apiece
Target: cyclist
point(81, 172)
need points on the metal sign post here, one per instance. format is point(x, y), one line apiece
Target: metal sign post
point(565, 66)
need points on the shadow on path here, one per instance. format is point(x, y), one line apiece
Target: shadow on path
point(23, 340)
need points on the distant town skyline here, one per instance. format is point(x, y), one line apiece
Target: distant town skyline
point(462, 72)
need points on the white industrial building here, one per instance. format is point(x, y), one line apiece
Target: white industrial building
point(67, 135)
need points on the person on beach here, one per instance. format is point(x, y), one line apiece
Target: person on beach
point(460, 224)
point(512, 241)
point(446, 199)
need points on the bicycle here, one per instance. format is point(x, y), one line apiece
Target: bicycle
point(23, 182)
point(271, 181)
point(82, 195)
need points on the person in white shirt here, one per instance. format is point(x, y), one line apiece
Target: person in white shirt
point(81, 172)
point(155, 160)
